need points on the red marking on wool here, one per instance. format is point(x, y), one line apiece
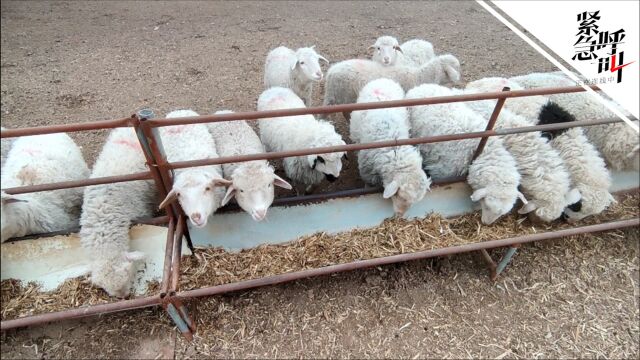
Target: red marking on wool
point(379, 93)
point(175, 129)
point(132, 144)
point(32, 152)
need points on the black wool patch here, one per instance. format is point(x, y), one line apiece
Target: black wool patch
point(576, 206)
point(552, 113)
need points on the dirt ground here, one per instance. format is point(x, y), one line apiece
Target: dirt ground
point(65, 62)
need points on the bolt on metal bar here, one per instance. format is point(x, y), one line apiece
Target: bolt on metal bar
point(490, 124)
point(80, 312)
point(328, 109)
point(281, 278)
point(381, 144)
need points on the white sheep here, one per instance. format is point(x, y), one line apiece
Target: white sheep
point(108, 210)
point(385, 50)
point(388, 52)
point(543, 175)
point(397, 169)
point(253, 181)
point(199, 190)
point(588, 172)
point(493, 176)
point(618, 143)
point(297, 70)
point(299, 132)
point(5, 146)
point(41, 159)
point(416, 52)
point(346, 78)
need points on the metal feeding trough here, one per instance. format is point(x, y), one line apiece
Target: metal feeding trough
point(51, 260)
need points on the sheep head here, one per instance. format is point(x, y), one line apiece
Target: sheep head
point(253, 187)
point(195, 190)
point(385, 50)
point(308, 62)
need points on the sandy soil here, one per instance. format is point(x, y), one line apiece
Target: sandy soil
point(65, 62)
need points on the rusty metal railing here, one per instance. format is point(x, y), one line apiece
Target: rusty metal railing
point(160, 171)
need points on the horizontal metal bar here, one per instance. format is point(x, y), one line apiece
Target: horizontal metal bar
point(287, 277)
point(159, 220)
point(80, 312)
point(306, 199)
point(78, 183)
point(381, 144)
point(328, 109)
point(39, 130)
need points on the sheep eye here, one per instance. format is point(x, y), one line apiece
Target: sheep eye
point(301, 62)
point(241, 190)
point(179, 194)
point(207, 189)
point(378, 48)
point(268, 185)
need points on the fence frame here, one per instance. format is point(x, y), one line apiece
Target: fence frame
point(161, 172)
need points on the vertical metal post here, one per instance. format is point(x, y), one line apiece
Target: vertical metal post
point(155, 144)
point(177, 250)
point(490, 263)
point(491, 124)
point(506, 259)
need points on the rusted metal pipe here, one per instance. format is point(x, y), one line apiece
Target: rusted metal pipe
point(381, 144)
point(148, 155)
point(51, 129)
point(177, 254)
point(78, 183)
point(159, 220)
point(166, 270)
point(281, 278)
point(80, 312)
point(253, 115)
point(306, 199)
point(490, 125)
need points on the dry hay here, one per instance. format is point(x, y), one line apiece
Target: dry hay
point(215, 266)
point(20, 300)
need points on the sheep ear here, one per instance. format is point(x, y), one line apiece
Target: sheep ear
point(134, 256)
point(390, 189)
point(522, 198)
point(633, 152)
point(221, 182)
point(479, 194)
point(323, 59)
point(529, 207)
point(452, 73)
point(278, 181)
point(372, 47)
point(312, 47)
point(10, 199)
point(345, 157)
point(231, 192)
point(573, 196)
point(171, 196)
point(293, 67)
point(398, 48)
